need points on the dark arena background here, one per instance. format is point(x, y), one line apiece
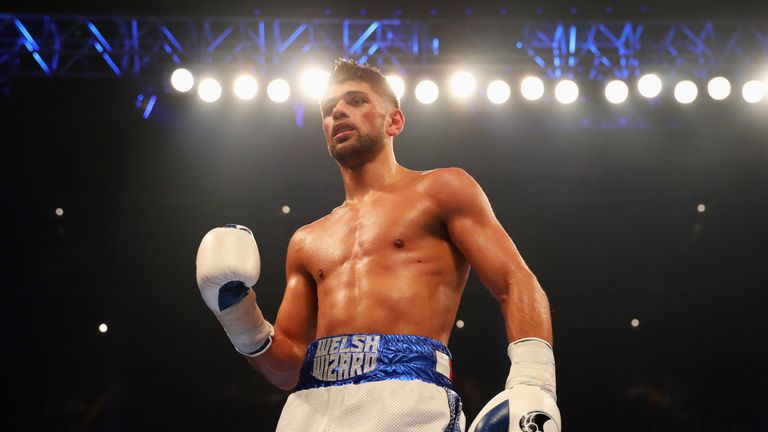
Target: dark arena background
point(645, 221)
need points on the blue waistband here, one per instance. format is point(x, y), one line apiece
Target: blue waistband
point(360, 358)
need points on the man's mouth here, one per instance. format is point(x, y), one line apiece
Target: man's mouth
point(342, 130)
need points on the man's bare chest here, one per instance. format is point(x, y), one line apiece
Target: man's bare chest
point(377, 227)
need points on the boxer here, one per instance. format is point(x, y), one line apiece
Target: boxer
point(373, 288)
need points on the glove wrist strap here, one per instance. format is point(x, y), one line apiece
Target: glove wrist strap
point(532, 363)
point(246, 327)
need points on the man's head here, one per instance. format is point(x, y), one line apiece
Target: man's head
point(360, 113)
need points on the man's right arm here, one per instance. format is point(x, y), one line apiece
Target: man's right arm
point(296, 321)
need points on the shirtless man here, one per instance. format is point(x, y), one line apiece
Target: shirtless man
point(373, 289)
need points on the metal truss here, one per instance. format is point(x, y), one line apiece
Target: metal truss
point(623, 49)
point(124, 46)
point(84, 46)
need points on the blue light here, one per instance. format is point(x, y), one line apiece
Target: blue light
point(572, 46)
point(519, 45)
point(371, 28)
point(42, 64)
point(150, 105)
point(98, 35)
point(32, 46)
point(282, 47)
point(435, 46)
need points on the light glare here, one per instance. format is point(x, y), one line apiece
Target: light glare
point(103, 328)
point(616, 91)
point(753, 91)
point(278, 90)
point(245, 87)
point(397, 85)
point(209, 90)
point(427, 92)
point(719, 88)
point(182, 80)
point(498, 91)
point(686, 92)
point(462, 84)
point(566, 92)
point(532, 88)
point(649, 86)
point(314, 82)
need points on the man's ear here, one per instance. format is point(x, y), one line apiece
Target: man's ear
point(395, 122)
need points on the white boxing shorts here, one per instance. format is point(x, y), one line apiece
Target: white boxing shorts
point(374, 383)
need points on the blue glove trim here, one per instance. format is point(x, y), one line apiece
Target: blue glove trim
point(495, 420)
point(231, 293)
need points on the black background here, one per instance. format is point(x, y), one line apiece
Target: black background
point(605, 216)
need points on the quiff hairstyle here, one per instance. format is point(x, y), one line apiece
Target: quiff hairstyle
point(345, 70)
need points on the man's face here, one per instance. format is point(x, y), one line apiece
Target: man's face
point(354, 122)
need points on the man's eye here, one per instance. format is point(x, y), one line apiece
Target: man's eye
point(356, 101)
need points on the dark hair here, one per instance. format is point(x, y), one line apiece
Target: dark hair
point(349, 70)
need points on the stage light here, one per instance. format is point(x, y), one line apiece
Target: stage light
point(498, 91)
point(426, 92)
point(532, 88)
point(59, 211)
point(103, 328)
point(719, 88)
point(462, 84)
point(278, 90)
point(649, 86)
point(286, 209)
point(566, 92)
point(753, 91)
point(635, 323)
point(686, 92)
point(616, 91)
point(182, 80)
point(701, 208)
point(460, 324)
point(397, 85)
point(209, 90)
point(314, 82)
point(245, 87)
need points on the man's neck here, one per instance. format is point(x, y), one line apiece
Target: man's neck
point(373, 175)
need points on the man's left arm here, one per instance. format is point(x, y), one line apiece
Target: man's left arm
point(479, 236)
point(474, 229)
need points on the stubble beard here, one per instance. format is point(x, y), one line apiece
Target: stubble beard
point(363, 150)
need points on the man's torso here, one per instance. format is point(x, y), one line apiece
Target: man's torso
point(386, 264)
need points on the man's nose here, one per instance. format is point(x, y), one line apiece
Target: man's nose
point(339, 112)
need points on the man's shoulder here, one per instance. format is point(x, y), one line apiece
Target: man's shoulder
point(445, 180)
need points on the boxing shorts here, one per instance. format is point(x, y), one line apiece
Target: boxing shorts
point(374, 383)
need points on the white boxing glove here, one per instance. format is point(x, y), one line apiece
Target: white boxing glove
point(529, 402)
point(227, 267)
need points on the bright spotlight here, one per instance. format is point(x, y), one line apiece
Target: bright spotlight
point(753, 91)
point(426, 92)
point(649, 86)
point(566, 92)
point(532, 88)
point(314, 82)
point(182, 80)
point(616, 91)
point(245, 87)
point(719, 88)
point(209, 90)
point(462, 84)
point(498, 92)
point(278, 90)
point(397, 85)
point(686, 92)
